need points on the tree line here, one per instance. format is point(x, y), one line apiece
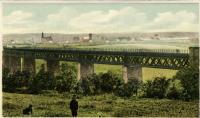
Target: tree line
point(184, 85)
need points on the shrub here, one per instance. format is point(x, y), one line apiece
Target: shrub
point(102, 83)
point(42, 81)
point(128, 89)
point(97, 82)
point(87, 85)
point(66, 81)
point(175, 89)
point(9, 84)
point(6, 72)
point(77, 89)
point(16, 80)
point(110, 82)
point(156, 88)
point(189, 78)
point(173, 93)
point(22, 78)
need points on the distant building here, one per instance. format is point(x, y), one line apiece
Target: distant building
point(47, 39)
point(137, 38)
point(90, 36)
point(155, 37)
point(124, 38)
point(76, 39)
point(84, 39)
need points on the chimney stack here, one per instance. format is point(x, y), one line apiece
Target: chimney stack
point(90, 36)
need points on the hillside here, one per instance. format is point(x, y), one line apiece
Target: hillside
point(57, 37)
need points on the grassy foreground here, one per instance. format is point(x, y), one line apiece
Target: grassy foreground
point(54, 104)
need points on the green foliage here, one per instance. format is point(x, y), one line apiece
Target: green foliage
point(174, 90)
point(173, 93)
point(128, 89)
point(189, 78)
point(6, 72)
point(22, 78)
point(42, 81)
point(156, 88)
point(110, 82)
point(9, 84)
point(16, 80)
point(87, 84)
point(103, 83)
point(66, 79)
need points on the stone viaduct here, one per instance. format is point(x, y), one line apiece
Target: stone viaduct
point(132, 60)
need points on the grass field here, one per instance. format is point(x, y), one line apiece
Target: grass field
point(148, 73)
point(54, 104)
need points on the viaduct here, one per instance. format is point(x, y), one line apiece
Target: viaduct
point(132, 60)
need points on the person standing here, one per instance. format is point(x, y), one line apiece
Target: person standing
point(74, 106)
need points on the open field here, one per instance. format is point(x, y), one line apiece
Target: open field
point(148, 73)
point(54, 104)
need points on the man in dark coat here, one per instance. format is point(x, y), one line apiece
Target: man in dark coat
point(74, 106)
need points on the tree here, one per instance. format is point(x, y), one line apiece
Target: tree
point(156, 88)
point(87, 85)
point(110, 82)
point(128, 89)
point(42, 81)
point(189, 78)
point(66, 81)
point(6, 72)
point(11, 82)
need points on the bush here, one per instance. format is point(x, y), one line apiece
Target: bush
point(77, 89)
point(156, 88)
point(174, 90)
point(102, 83)
point(91, 85)
point(66, 81)
point(128, 89)
point(173, 93)
point(6, 72)
point(16, 80)
point(110, 82)
point(9, 84)
point(87, 85)
point(189, 78)
point(97, 82)
point(22, 78)
point(42, 81)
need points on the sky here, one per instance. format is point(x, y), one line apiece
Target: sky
point(99, 17)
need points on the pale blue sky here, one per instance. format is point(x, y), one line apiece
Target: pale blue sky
point(77, 18)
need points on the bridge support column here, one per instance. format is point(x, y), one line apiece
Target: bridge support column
point(5, 63)
point(85, 69)
point(132, 72)
point(194, 55)
point(29, 65)
point(53, 66)
point(14, 64)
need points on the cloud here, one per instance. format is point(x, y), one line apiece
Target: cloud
point(178, 21)
point(111, 20)
point(63, 15)
point(126, 19)
point(17, 17)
